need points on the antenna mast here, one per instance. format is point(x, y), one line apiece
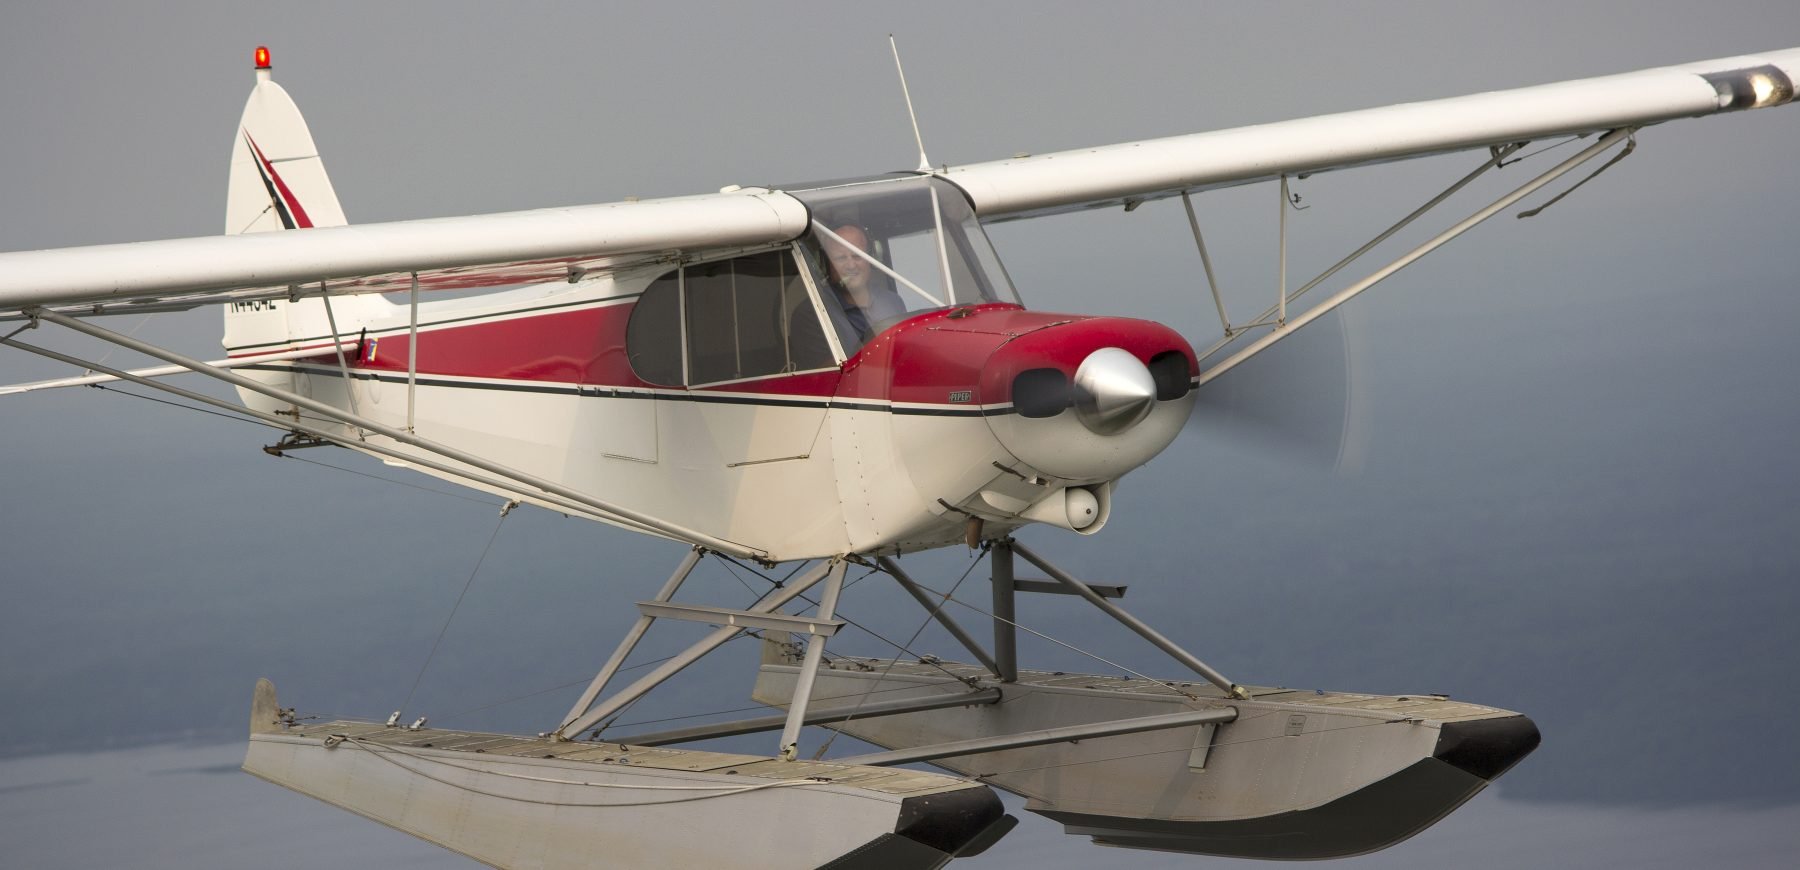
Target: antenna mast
point(924, 163)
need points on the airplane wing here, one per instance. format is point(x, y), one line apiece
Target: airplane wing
point(1135, 172)
point(446, 253)
point(547, 244)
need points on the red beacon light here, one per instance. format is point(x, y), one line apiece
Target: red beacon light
point(262, 57)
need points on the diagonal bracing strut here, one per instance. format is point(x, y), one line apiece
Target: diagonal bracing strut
point(936, 609)
point(630, 641)
point(1142, 629)
point(590, 717)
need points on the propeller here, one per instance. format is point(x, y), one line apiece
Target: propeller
point(1298, 400)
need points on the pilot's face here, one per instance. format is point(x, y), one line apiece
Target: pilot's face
point(848, 269)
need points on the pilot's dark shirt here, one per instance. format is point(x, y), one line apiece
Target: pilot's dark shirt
point(854, 326)
point(884, 305)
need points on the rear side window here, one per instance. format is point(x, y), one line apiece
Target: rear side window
point(653, 335)
point(747, 317)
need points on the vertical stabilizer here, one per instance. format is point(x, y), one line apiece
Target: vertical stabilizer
point(277, 179)
point(278, 182)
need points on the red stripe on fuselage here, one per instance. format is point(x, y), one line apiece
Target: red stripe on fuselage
point(927, 359)
point(584, 346)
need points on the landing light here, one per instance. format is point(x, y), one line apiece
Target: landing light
point(1763, 87)
point(262, 57)
point(1083, 508)
point(1077, 508)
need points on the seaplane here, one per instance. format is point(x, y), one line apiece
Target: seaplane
point(802, 379)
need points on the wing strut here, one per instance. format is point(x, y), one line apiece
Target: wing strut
point(1348, 293)
point(1497, 160)
point(412, 354)
point(343, 366)
point(564, 493)
point(1281, 298)
point(1212, 282)
point(159, 371)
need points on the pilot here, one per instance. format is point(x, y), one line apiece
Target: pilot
point(868, 299)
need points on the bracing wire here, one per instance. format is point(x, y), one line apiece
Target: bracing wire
point(896, 659)
point(186, 407)
point(459, 600)
point(526, 697)
point(133, 331)
point(1530, 154)
point(468, 498)
point(573, 683)
point(285, 456)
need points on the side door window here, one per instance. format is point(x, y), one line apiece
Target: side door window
point(727, 320)
point(751, 317)
point(716, 328)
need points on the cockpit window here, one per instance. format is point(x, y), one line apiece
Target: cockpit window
point(885, 250)
point(726, 320)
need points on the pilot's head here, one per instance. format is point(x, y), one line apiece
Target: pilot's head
point(849, 271)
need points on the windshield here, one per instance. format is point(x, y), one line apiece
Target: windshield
point(883, 251)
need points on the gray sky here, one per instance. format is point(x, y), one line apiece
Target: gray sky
point(1576, 499)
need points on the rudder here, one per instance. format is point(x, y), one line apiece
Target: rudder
point(278, 180)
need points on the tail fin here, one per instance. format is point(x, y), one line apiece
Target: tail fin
point(278, 182)
point(277, 179)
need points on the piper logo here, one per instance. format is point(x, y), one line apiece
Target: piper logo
point(961, 397)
